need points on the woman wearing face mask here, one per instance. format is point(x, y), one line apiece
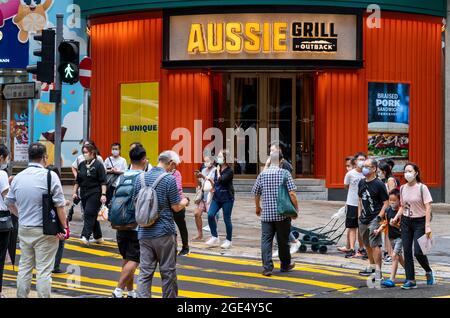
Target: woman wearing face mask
point(415, 214)
point(91, 180)
point(223, 198)
point(115, 166)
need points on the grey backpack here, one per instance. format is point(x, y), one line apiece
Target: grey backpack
point(147, 202)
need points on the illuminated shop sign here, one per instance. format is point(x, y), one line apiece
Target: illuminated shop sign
point(299, 36)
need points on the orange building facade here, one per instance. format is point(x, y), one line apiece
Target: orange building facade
point(323, 109)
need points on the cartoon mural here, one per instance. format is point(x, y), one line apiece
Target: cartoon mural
point(31, 17)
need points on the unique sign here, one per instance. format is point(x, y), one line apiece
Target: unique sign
point(17, 91)
point(263, 36)
point(389, 122)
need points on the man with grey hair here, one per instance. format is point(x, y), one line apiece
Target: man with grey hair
point(158, 243)
point(272, 223)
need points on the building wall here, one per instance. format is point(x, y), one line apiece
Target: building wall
point(117, 47)
point(447, 112)
point(407, 48)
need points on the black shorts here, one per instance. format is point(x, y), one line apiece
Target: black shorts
point(129, 245)
point(351, 218)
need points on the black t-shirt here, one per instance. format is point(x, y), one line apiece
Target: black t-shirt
point(394, 232)
point(373, 194)
point(90, 179)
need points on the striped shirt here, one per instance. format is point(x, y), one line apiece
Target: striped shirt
point(167, 193)
point(266, 186)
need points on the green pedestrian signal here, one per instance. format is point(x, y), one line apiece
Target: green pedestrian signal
point(69, 55)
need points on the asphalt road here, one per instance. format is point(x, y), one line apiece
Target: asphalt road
point(93, 272)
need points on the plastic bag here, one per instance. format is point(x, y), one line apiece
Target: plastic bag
point(103, 213)
point(425, 244)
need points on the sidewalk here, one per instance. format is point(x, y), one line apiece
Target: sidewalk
point(247, 232)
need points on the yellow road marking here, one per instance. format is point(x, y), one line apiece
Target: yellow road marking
point(110, 283)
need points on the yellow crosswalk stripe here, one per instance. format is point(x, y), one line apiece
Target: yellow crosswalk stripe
point(110, 283)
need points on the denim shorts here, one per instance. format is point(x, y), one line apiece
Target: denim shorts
point(397, 246)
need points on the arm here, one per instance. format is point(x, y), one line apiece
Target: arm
point(428, 219)
point(258, 205)
point(383, 210)
point(75, 172)
point(294, 200)
point(176, 203)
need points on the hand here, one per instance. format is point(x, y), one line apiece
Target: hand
point(75, 196)
point(103, 199)
point(184, 202)
point(294, 217)
point(61, 236)
point(258, 211)
point(428, 230)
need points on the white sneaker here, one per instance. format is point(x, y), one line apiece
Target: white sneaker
point(226, 245)
point(206, 228)
point(117, 293)
point(295, 246)
point(275, 254)
point(132, 294)
point(213, 241)
point(98, 241)
point(84, 241)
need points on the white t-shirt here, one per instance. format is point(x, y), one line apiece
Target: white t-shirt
point(118, 163)
point(4, 185)
point(352, 179)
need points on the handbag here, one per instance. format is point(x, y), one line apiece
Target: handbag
point(198, 196)
point(6, 223)
point(50, 220)
point(284, 203)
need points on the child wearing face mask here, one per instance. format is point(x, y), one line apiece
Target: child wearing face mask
point(395, 236)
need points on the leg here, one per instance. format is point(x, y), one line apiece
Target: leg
point(212, 212)
point(419, 230)
point(127, 275)
point(88, 225)
point(198, 221)
point(148, 262)
point(352, 238)
point(97, 230)
point(387, 244)
point(267, 235)
point(282, 230)
point(59, 255)
point(180, 220)
point(45, 249)
point(376, 243)
point(4, 241)
point(395, 260)
point(26, 263)
point(227, 210)
point(166, 248)
point(407, 239)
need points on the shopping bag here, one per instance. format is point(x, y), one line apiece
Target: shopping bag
point(103, 213)
point(284, 203)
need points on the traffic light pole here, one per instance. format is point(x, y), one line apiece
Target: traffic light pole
point(58, 89)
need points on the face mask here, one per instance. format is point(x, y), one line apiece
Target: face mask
point(410, 177)
point(3, 166)
point(86, 157)
point(115, 153)
point(360, 164)
point(207, 164)
point(220, 161)
point(366, 171)
point(394, 206)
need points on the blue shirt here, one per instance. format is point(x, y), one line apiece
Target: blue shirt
point(167, 193)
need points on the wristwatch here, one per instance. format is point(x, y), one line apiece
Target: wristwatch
point(104, 194)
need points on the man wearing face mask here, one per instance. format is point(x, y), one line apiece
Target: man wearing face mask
point(374, 200)
point(115, 166)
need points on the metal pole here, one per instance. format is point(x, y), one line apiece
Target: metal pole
point(58, 88)
point(8, 133)
point(85, 114)
point(31, 121)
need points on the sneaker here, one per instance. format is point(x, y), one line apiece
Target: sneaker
point(343, 249)
point(288, 269)
point(58, 271)
point(367, 272)
point(213, 241)
point(98, 241)
point(409, 285)
point(387, 261)
point(184, 251)
point(226, 245)
point(84, 241)
point(431, 280)
point(266, 273)
point(350, 254)
point(117, 293)
point(132, 294)
point(206, 228)
point(388, 283)
point(295, 246)
point(363, 252)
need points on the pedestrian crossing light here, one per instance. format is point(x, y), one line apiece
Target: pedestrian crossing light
point(44, 69)
point(69, 56)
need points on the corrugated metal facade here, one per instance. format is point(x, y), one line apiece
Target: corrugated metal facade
point(407, 48)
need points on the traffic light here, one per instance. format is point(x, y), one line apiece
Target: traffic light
point(69, 61)
point(45, 69)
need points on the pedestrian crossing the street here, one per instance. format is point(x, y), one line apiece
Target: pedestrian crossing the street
point(93, 271)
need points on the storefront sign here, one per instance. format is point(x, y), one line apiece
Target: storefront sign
point(263, 36)
point(139, 109)
point(389, 121)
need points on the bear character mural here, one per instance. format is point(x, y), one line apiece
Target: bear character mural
point(31, 17)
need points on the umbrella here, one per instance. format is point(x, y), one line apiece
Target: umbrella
point(13, 240)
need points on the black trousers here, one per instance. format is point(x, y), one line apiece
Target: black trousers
point(413, 229)
point(4, 241)
point(91, 207)
point(282, 230)
point(180, 220)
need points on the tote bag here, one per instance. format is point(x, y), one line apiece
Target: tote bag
point(284, 203)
